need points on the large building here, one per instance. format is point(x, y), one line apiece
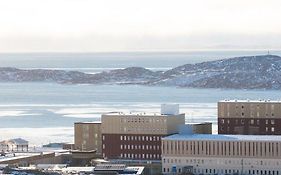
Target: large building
point(249, 117)
point(221, 154)
point(87, 136)
point(138, 135)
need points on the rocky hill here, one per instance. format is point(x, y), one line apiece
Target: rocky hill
point(251, 72)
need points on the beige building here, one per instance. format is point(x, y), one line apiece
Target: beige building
point(262, 117)
point(141, 123)
point(87, 136)
point(221, 154)
point(138, 135)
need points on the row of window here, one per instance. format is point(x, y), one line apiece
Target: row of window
point(143, 129)
point(142, 120)
point(252, 121)
point(141, 138)
point(222, 148)
point(222, 162)
point(267, 129)
point(140, 156)
point(225, 171)
point(140, 147)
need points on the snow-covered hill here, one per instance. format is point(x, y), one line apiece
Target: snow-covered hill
point(251, 72)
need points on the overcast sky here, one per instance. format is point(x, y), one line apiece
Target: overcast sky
point(143, 25)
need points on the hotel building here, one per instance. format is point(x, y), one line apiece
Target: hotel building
point(138, 135)
point(249, 117)
point(221, 154)
point(87, 136)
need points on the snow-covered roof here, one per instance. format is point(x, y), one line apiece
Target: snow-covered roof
point(19, 141)
point(222, 137)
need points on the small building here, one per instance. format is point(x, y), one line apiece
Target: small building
point(87, 136)
point(14, 145)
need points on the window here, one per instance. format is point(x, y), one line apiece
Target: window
point(272, 129)
point(252, 121)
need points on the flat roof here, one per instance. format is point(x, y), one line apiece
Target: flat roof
point(90, 122)
point(139, 114)
point(222, 137)
point(251, 101)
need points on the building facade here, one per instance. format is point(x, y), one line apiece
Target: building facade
point(137, 135)
point(221, 154)
point(249, 117)
point(87, 136)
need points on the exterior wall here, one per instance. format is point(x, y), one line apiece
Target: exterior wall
point(220, 166)
point(221, 156)
point(247, 117)
point(136, 136)
point(202, 128)
point(132, 146)
point(144, 124)
point(87, 136)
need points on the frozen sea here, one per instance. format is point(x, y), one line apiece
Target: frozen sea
point(45, 112)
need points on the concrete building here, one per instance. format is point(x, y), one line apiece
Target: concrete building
point(138, 135)
point(87, 136)
point(249, 117)
point(221, 154)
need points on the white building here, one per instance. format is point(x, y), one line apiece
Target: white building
point(18, 145)
point(221, 154)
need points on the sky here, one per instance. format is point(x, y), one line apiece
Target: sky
point(139, 25)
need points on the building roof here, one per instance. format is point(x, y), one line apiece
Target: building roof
point(19, 141)
point(222, 137)
point(143, 114)
point(89, 122)
point(251, 101)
